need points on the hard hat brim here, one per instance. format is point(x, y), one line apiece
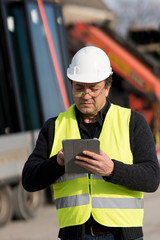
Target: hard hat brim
point(87, 78)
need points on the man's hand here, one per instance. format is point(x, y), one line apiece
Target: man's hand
point(100, 165)
point(60, 158)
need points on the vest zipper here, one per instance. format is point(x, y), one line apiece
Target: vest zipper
point(89, 177)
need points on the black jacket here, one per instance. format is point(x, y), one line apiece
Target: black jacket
point(40, 172)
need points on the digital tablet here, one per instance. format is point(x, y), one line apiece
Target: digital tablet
point(74, 147)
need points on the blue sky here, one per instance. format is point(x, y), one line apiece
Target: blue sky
point(135, 12)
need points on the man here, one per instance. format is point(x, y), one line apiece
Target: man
point(107, 204)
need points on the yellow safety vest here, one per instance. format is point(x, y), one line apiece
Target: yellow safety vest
point(110, 204)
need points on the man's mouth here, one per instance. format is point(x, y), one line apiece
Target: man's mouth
point(86, 103)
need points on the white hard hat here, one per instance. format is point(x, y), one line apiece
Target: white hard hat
point(90, 65)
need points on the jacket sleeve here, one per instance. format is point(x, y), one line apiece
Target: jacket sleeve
point(40, 171)
point(144, 174)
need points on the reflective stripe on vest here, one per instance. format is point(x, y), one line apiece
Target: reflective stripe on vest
point(110, 204)
point(122, 203)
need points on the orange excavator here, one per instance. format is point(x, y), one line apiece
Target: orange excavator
point(133, 73)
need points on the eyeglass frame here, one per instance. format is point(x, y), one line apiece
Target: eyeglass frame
point(108, 82)
point(82, 94)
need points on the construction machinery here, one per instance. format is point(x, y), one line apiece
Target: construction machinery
point(136, 79)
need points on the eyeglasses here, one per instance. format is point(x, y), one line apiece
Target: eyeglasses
point(93, 93)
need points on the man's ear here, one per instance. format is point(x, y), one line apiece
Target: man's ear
point(107, 91)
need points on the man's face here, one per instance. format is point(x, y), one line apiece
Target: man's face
point(89, 98)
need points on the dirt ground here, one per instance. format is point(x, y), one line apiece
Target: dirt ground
point(45, 226)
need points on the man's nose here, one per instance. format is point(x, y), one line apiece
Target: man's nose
point(86, 93)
